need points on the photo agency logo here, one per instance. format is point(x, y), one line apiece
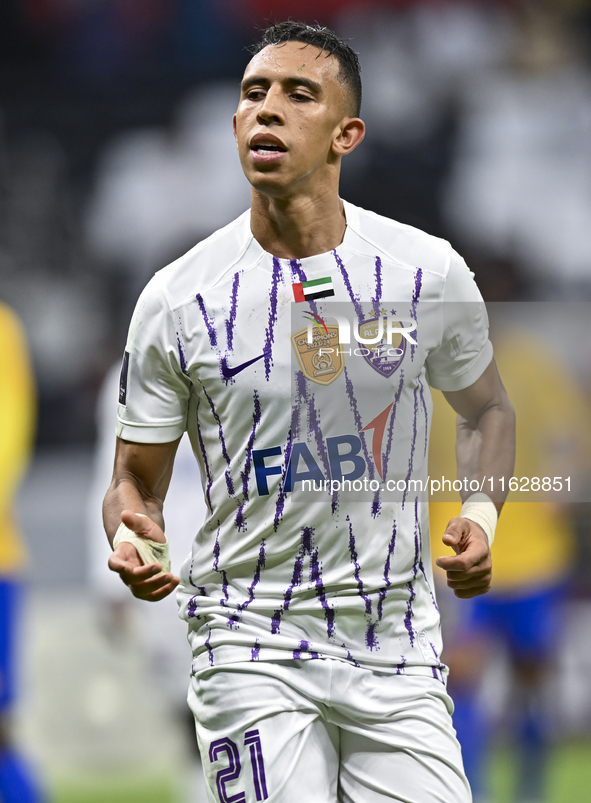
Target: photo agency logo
point(321, 347)
point(342, 414)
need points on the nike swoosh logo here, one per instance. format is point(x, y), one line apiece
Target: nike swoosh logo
point(228, 372)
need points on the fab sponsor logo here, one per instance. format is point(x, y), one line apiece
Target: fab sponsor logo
point(346, 462)
point(320, 347)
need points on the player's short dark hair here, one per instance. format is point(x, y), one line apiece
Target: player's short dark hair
point(326, 40)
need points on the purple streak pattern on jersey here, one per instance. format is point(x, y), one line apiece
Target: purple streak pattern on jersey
point(377, 299)
point(440, 668)
point(201, 589)
point(194, 601)
point(409, 613)
point(296, 578)
point(387, 564)
point(419, 540)
point(316, 578)
point(276, 279)
point(206, 465)
point(245, 473)
point(376, 505)
point(386, 454)
point(281, 493)
point(304, 646)
point(297, 272)
point(306, 549)
point(391, 547)
point(358, 423)
point(426, 412)
point(216, 563)
point(380, 606)
point(208, 647)
point(410, 584)
point(414, 303)
point(413, 442)
point(236, 617)
point(371, 640)
point(227, 474)
point(349, 655)
point(314, 428)
point(182, 358)
point(292, 434)
point(209, 322)
point(352, 295)
point(180, 345)
point(231, 320)
point(192, 608)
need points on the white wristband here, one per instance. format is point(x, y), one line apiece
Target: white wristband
point(480, 508)
point(148, 550)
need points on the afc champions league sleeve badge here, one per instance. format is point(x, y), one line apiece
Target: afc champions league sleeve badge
point(321, 361)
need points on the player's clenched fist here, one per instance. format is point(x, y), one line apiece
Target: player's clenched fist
point(140, 557)
point(469, 571)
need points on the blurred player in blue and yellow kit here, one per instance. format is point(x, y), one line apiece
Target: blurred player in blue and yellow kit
point(533, 552)
point(17, 417)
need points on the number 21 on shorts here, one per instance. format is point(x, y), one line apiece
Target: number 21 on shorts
point(217, 748)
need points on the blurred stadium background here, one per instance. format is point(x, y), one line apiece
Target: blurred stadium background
point(116, 155)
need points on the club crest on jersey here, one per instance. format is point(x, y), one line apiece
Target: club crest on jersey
point(383, 357)
point(321, 360)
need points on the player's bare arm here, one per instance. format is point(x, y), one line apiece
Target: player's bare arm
point(141, 477)
point(485, 447)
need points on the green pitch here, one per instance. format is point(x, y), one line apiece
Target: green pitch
point(115, 787)
point(569, 774)
point(569, 771)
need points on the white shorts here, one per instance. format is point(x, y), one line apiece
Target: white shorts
point(321, 731)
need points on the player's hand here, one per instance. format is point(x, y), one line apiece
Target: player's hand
point(469, 571)
point(145, 581)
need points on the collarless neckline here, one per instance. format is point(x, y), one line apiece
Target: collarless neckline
point(349, 219)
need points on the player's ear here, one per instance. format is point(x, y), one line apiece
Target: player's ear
point(234, 129)
point(349, 135)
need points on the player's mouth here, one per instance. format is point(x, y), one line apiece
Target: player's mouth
point(265, 148)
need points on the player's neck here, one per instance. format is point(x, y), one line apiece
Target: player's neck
point(300, 227)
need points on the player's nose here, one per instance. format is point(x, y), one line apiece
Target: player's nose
point(271, 108)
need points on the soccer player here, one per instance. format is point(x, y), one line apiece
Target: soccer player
point(533, 553)
point(316, 673)
point(18, 783)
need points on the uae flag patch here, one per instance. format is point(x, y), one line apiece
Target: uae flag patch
point(316, 288)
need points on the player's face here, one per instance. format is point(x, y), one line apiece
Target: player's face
point(289, 119)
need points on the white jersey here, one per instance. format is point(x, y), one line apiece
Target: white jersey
point(301, 435)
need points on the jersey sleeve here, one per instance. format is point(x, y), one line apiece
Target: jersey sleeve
point(153, 392)
point(465, 350)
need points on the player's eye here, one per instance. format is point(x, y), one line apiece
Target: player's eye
point(300, 97)
point(255, 94)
